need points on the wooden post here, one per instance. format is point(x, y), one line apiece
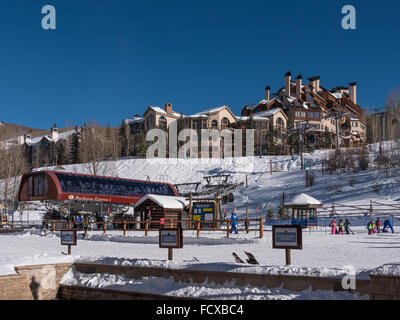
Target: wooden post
point(170, 254)
point(371, 210)
point(54, 226)
point(69, 225)
point(228, 223)
point(104, 227)
point(246, 182)
point(69, 249)
point(171, 223)
point(288, 260)
point(247, 217)
point(261, 228)
point(124, 227)
point(270, 168)
point(198, 229)
point(216, 210)
point(190, 211)
point(146, 228)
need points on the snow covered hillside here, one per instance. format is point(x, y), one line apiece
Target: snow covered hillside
point(265, 190)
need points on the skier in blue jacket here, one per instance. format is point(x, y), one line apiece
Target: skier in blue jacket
point(387, 224)
point(234, 223)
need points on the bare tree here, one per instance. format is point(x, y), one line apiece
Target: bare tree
point(92, 149)
point(13, 165)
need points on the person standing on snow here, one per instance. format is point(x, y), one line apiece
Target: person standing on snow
point(340, 226)
point(234, 223)
point(347, 226)
point(378, 226)
point(333, 226)
point(387, 224)
point(369, 227)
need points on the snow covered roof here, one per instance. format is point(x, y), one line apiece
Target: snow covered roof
point(160, 110)
point(304, 199)
point(134, 120)
point(166, 202)
point(206, 113)
point(63, 135)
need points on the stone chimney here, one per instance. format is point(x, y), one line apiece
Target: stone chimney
point(317, 79)
point(54, 132)
point(312, 80)
point(267, 91)
point(288, 77)
point(353, 92)
point(168, 108)
point(299, 81)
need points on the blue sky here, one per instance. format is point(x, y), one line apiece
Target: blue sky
point(110, 59)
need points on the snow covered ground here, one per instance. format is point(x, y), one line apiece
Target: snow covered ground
point(206, 290)
point(322, 254)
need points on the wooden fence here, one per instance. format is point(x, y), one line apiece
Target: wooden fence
point(193, 225)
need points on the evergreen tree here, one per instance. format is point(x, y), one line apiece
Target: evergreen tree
point(74, 156)
point(281, 212)
point(270, 213)
point(141, 147)
point(61, 153)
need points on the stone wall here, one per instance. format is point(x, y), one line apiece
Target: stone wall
point(41, 282)
point(84, 293)
point(38, 282)
point(384, 287)
point(295, 283)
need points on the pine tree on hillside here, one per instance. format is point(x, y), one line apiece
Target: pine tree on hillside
point(74, 156)
point(141, 147)
point(124, 137)
point(61, 154)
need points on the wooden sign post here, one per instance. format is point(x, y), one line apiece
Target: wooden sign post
point(171, 238)
point(68, 238)
point(287, 237)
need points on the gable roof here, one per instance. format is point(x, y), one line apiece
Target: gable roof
point(162, 111)
point(208, 112)
point(304, 199)
point(166, 202)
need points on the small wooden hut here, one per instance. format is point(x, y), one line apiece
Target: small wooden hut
point(154, 207)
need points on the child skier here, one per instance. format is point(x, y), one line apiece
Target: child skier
point(340, 226)
point(347, 226)
point(373, 227)
point(378, 226)
point(369, 227)
point(234, 223)
point(333, 226)
point(387, 224)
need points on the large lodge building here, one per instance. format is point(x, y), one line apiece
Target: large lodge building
point(294, 104)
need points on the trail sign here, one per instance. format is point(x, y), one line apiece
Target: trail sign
point(171, 238)
point(287, 237)
point(68, 238)
point(162, 220)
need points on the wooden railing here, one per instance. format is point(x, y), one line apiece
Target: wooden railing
point(148, 225)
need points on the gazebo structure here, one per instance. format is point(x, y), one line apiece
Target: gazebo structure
point(304, 209)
